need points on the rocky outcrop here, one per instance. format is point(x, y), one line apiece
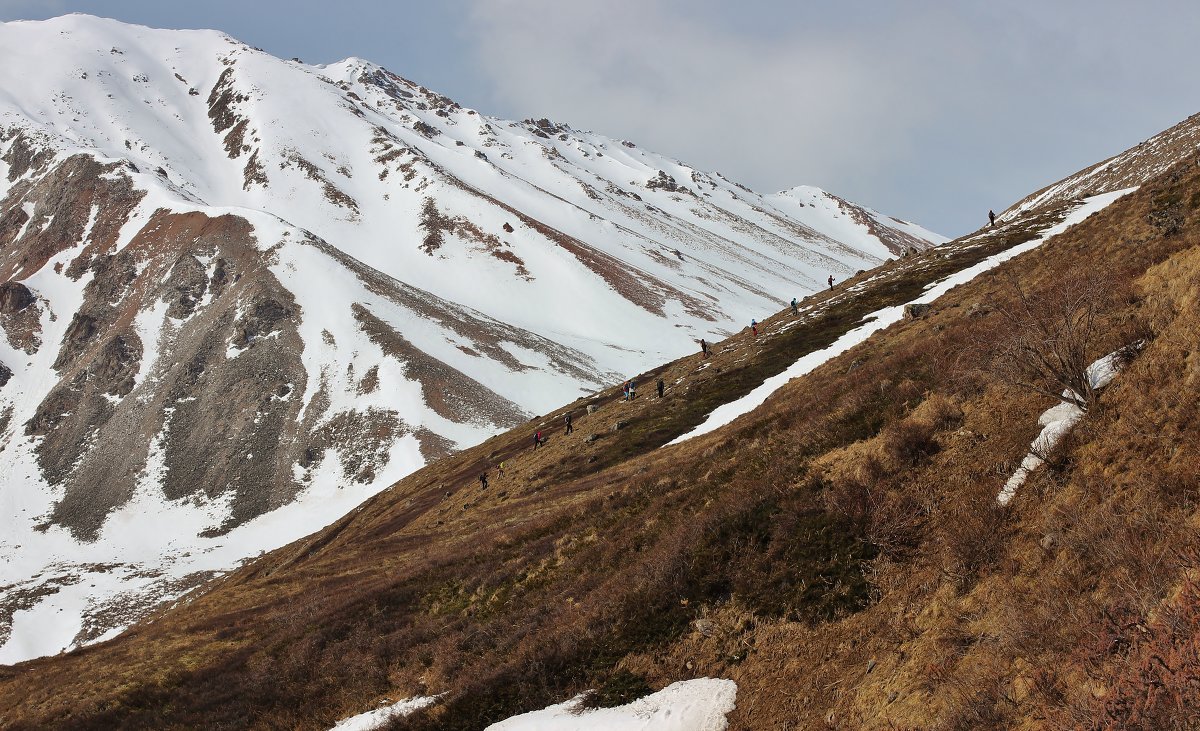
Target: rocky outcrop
point(25, 154)
point(78, 201)
point(192, 391)
point(915, 310)
point(14, 297)
point(20, 316)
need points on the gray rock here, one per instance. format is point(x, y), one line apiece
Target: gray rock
point(978, 310)
point(620, 425)
point(916, 310)
point(14, 297)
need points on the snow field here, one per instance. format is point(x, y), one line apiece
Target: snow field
point(139, 96)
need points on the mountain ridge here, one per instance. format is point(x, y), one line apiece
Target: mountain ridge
point(244, 286)
point(839, 552)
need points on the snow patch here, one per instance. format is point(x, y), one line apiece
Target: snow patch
point(149, 326)
point(1057, 421)
point(381, 717)
point(688, 705)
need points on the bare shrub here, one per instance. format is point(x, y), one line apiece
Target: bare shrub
point(908, 443)
point(895, 523)
point(1053, 338)
point(972, 533)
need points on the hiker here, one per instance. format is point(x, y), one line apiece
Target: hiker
point(704, 347)
point(754, 327)
point(992, 217)
point(831, 281)
point(661, 386)
point(795, 307)
point(483, 480)
point(537, 440)
point(500, 470)
point(569, 427)
point(625, 391)
point(632, 390)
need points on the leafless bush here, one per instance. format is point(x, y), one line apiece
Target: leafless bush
point(972, 533)
point(1053, 338)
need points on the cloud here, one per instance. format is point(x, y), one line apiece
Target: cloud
point(783, 110)
point(933, 109)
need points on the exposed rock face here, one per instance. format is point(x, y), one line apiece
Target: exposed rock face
point(14, 297)
point(78, 201)
point(182, 369)
point(20, 316)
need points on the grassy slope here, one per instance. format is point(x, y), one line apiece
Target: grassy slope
point(838, 552)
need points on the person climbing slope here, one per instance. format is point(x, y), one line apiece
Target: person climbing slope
point(661, 386)
point(569, 427)
point(831, 281)
point(483, 480)
point(754, 327)
point(704, 347)
point(795, 307)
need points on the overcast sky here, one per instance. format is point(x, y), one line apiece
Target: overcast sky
point(933, 110)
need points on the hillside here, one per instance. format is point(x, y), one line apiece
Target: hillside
point(839, 552)
point(1134, 166)
point(242, 294)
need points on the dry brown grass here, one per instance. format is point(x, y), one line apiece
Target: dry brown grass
point(838, 553)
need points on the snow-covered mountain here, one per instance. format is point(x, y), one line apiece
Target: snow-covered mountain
point(238, 295)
